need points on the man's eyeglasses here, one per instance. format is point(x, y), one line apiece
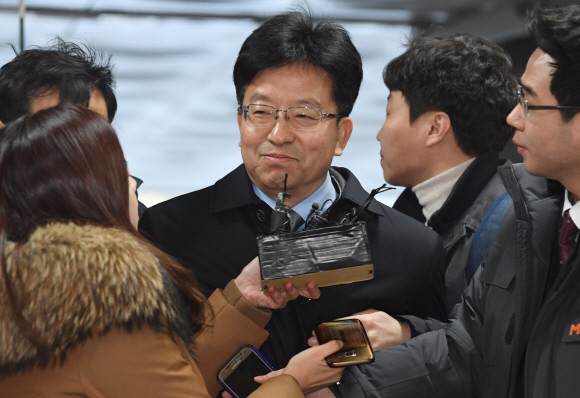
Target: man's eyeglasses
point(526, 105)
point(299, 117)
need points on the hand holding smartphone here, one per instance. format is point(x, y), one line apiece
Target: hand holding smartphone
point(237, 375)
point(356, 350)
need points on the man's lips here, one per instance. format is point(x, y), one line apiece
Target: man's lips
point(521, 149)
point(277, 157)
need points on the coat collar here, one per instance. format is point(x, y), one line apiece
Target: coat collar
point(235, 190)
point(80, 281)
point(464, 193)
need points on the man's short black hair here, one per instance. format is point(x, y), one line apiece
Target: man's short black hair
point(468, 77)
point(67, 68)
point(296, 37)
point(557, 33)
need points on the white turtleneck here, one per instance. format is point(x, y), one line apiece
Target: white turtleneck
point(433, 192)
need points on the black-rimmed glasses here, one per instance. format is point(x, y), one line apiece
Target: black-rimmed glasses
point(299, 117)
point(526, 105)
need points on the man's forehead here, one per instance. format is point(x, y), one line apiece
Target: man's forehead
point(538, 75)
point(51, 97)
point(259, 97)
point(297, 83)
point(46, 100)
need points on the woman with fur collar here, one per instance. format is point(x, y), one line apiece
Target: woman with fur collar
point(88, 307)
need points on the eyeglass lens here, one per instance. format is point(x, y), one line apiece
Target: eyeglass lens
point(299, 118)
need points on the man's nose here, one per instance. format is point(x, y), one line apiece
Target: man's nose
point(281, 131)
point(515, 118)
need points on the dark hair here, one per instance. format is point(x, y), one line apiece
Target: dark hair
point(297, 37)
point(66, 68)
point(65, 164)
point(467, 77)
point(557, 33)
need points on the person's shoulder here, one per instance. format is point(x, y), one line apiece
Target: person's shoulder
point(84, 279)
point(403, 225)
point(186, 199)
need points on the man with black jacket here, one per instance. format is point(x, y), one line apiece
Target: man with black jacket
point(449, 97)
point(296, 82)
point(517, 331)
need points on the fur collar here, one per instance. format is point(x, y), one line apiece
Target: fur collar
point(82, 280)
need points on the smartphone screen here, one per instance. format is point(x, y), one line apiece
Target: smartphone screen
point(237, 375)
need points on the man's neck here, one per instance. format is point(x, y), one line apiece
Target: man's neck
point(432, 193)
point(325, 195)
point(297, 195)
point(439, 161)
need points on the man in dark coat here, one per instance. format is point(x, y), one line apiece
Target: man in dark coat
point(296, 83)
point(444, 129)
point(516, 332)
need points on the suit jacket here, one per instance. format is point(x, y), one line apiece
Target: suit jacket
point(212, 232)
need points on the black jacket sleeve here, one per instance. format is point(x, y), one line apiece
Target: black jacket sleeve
point(443, 360)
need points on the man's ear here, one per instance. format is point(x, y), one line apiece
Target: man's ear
point(345, 127)
point(440, 126)
point(1, 124)
point(240, 127)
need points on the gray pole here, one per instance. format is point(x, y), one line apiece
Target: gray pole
point(22, 14)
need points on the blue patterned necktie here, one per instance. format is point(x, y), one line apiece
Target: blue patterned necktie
point(295, 220)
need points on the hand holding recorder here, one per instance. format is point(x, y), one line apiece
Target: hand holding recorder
point(249, 283)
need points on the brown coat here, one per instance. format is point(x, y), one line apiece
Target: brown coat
point(112, 319)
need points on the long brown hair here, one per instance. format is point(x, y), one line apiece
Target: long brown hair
point(65, 164)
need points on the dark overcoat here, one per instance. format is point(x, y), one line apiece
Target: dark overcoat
point(212, 232)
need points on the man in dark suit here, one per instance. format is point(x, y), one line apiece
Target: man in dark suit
point(296, 83)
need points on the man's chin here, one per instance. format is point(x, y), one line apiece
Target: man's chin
point(535, 171)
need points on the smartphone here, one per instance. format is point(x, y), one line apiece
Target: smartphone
point(237, 375)
point(356, 350)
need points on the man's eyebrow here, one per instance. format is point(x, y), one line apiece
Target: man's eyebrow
point(309, 102)
point(529, 90)
point(303, 102)
point(257, 97)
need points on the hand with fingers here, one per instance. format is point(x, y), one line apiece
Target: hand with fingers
point(309, 368)
point(249, 284)
point(382, 329)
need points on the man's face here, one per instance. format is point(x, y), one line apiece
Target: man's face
point(97, 102)
point(401, 144)
point(549, 146)
point(306, 156)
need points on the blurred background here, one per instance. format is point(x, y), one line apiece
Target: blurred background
point(174, 58)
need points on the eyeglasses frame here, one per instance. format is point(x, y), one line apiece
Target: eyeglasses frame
point(244, 111)
point(525, 104)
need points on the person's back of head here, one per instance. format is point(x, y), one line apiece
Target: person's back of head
point(65, 164)
point(467, 77)
point(557, 32)
point(61, 164)
point(296, 37)
point(66, 69)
